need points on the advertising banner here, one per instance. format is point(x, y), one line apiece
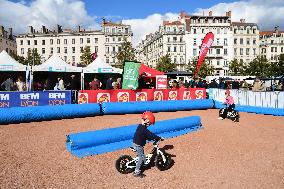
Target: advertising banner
point(130, 76)
point(36, 98)
point(161, 82)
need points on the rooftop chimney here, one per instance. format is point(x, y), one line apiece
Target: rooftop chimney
point(276, 29)
point(43, 29)
point(182, 14)
point(210, 13)
point(229, 13)
point(242, 20)
point(10, 34)
point(31, 29)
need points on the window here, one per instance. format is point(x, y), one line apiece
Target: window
point(107, 60)
point(107, 50)
point(175, 49)
point(51, 50)
point(202, 31)
point(254, 41)
point(225, 51)
point(65, 58)
point(235, 41)
point(235, 31)
point(194, 31)
point(169, 49)
point(247, 51)
point(28, 42)
point(96, 49)
point(88, 40)
point(272, 49)
point(51, 41)
point(218, 30)
point(35, 42)
point(194, 52)
point(174, 39)
point(43, 50)
point(96, 40)
point(218, 62)
point(168, 39)
point(241, 41)
point(21, 42)
point(225, 30)
point(65, 41)
point(181, 39)
point(217, 51)
point(22, 51)
point(113, 49)
point(81, 41)
point(73, 49)
point(107, 39)
point(248, 41)
point(272, 41)
point(175, 59)
point(119, 39)
point(241, 51)
point(194, 41)
point(113, 30)
point(73, 59)
point(81, 49)
point(73, 41)
point(218, 41)
point(58, 49)
point(65, 49)
point(58, 41)
point(275, 49)
point(281, 49)
point(253, 31)
point(254, 51)
point(247, 31)
point(181, 48)
point(225, 42)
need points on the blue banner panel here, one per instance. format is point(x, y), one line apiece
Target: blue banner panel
point(36, 98)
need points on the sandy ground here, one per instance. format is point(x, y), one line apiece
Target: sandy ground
point(248, 154)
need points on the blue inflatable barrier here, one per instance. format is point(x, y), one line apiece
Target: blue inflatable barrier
point(107, 140)
point(110, 108)
point(40, 113)
point(254, 109)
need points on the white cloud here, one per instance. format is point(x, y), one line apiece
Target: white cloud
point(68, 13)
point(266, 13)
point(150, 24)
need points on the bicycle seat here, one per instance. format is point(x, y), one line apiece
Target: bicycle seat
point(133, 149)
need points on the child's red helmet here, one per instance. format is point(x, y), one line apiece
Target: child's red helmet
point(149, 115)
point(227, 92)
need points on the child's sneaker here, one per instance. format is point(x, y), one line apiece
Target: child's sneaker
point(220, 118)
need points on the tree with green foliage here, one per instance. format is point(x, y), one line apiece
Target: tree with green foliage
point(277, 68)
point(86, 56)
point(165, 64)
point(237, 68)
point(206, 69)
point(258, 67)
point(126, 52)
point(33, 58)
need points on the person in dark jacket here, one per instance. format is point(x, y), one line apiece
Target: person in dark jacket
point(109, 84)
point(141, 135)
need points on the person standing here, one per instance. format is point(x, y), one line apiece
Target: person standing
point(109, 85)
point(20, 84)
point(61, 84)
point(95, 84)
point(8, 84)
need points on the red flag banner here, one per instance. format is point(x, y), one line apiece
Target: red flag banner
point(206, 44)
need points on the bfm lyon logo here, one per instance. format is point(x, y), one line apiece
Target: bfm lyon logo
point(103, 97)
point(123, 97)
point(186, 95)
point(199, 94)
point(141, 96)
point(172, 95)
point(83, 98)
point(158, 95)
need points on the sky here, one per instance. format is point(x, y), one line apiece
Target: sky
point(144, 16)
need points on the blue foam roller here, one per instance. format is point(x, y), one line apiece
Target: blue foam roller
point(107, 140)
point(155, 106)
point(41, 113)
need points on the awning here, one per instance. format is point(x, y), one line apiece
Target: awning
point(150, 72)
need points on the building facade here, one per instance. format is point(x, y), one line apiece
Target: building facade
point(69, 44)
point(7, 41)
point(272, 44)
point(221, 51)
point(169, 39)
point(246, 41)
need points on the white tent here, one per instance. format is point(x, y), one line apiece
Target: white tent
point(7, 63)
point(56, 64)
point(99, 66)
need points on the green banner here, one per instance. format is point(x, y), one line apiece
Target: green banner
point(130, 76)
